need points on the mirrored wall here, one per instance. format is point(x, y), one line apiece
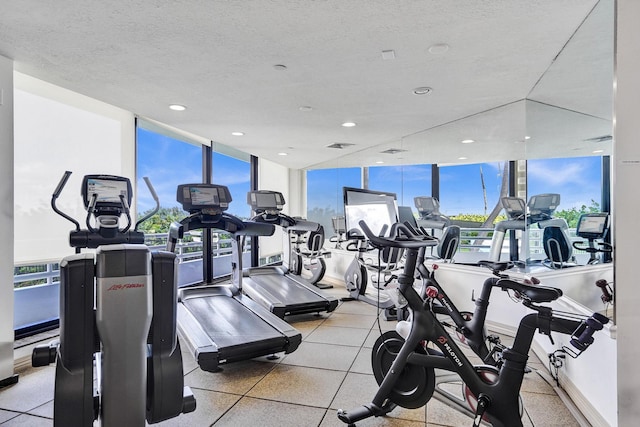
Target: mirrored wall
point(555, 139)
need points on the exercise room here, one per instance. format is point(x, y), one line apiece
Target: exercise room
point(319, 213)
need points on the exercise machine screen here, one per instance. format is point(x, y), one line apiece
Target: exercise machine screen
point(592, 226)
point(203, 196)
point(107, 190)
point(264, 200)
point(376, 208)
point(426, 205)
point(514, 207)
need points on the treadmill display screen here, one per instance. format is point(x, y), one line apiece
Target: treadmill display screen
point(376, 208)
point(513, 206)
point(197, 197)
point(265, 200)
point(425, 205)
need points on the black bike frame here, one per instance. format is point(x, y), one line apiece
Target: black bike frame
point(501, 396)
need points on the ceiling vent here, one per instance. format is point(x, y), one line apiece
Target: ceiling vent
point(393, 151)
point(603, 138)
point(340, 145)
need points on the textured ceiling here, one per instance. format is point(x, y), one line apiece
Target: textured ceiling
point(218, 57)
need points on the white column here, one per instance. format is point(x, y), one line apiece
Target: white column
point(626, 210)
point(6, 221)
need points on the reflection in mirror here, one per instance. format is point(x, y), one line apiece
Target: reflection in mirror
point(558, 138)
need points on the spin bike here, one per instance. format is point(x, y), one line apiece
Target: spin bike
point(117, 315)
point(405, 368)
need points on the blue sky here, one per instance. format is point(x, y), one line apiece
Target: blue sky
point(169, 162)
point(577, 180)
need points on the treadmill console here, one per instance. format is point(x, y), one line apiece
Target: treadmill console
point(541, 206)
point(514, 207)
point(103, 193)
point(198, 197)
point(265, 201)
point(339, 224)
point(426, 205)
point(593, 225)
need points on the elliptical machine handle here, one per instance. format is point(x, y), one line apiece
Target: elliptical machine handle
point(56, 194)
point(155, 197)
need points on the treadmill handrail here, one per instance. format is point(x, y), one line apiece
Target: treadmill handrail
point(223, 221)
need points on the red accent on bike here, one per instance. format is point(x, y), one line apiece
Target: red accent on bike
point(431, 292)
point(442, 340)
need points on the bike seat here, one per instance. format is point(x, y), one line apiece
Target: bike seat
point(532, 293)
point(496, 265)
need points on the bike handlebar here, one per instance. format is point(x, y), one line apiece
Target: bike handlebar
point(403, 238)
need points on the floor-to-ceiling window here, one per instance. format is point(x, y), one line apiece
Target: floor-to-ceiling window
point(407, 182)
point(168, 160)
point(579, 182)
point(471, 191)
point(324, 193)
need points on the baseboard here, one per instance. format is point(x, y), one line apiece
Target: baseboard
point(579, 406)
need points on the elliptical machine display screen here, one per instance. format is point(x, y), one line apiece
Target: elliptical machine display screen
point(107, 189)
point(194, 197)
point(376, 208)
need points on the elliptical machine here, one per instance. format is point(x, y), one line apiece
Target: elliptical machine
point(117, 311)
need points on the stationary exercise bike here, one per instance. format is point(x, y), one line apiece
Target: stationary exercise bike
point(117, 319)
point(360, 273)
point(593, 226)
point(404, 366)
point(307, 257)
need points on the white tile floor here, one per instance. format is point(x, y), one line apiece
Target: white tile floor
point(330, 370)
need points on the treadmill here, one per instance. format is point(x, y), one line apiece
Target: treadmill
point(218, 323)
point(275, 287)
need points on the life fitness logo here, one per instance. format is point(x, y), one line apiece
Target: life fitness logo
point(442, 340)
point(125, 286)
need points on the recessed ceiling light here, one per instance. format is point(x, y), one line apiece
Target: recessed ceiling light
point(388, 54)
point(280, 67)
point(379, 162)
point(423, 90)
point(177, 107)
point(237, 133)
point(348, 124)
point(305, 108)
point(597, 151)
point(467, 141)
point(282, 153)
point(438, 49)
point(527, 137)
point(462, 158)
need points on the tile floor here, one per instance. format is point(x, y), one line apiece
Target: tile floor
point(330, 370)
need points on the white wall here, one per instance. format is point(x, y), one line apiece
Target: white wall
point(275, 177)
point(6, 218)
point(626, 170)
